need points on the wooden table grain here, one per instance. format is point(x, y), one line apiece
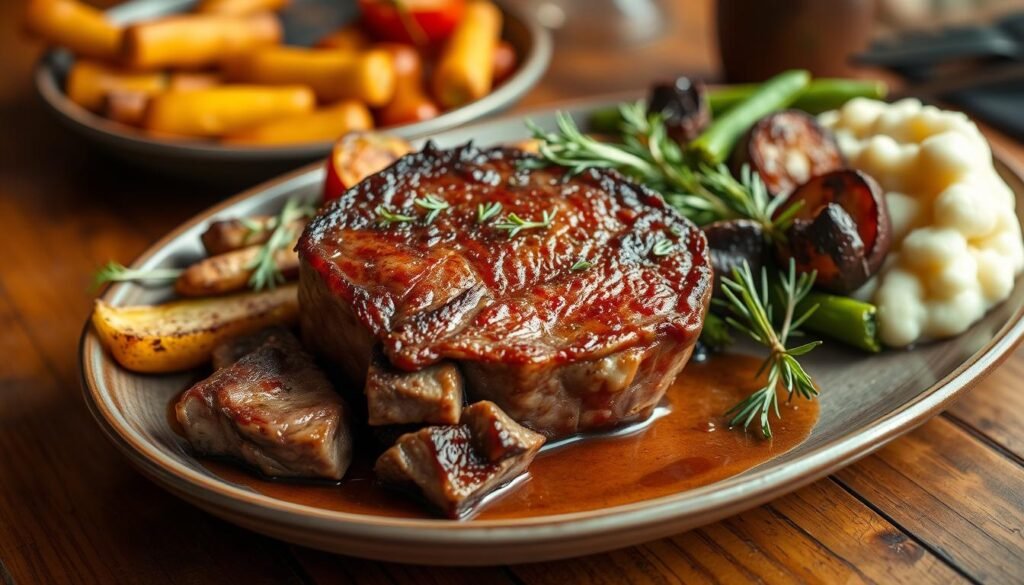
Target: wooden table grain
point(943, 504)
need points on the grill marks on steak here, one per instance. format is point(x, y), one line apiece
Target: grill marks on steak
point(461, 289)
point(272, 408)
point(456, 466)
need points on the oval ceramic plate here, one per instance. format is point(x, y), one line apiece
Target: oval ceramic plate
point(304, 22)
point(867, 400)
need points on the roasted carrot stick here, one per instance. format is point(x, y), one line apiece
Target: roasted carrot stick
point(78, 27)
point(240, 6)
point(128, 106)
point(411, 103)
point(329, 123)
point(466, 70)
point(197, 40)
point(347, 38)
point(333, 75)
point(229, 108)
point(89, 82)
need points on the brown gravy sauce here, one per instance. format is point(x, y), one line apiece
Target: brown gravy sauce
point(686, 444)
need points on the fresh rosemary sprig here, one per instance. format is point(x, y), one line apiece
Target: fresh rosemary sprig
point(116, 272)
point(751, 312)
point(265, 272)
point(649, 155)
point(386, 217)
point(515, 224)
point(485, 211)
point(434, 206)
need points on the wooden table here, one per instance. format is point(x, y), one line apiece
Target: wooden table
point(943, 504)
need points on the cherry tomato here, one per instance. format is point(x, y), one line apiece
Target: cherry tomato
point(357, 156)
point(417, 22)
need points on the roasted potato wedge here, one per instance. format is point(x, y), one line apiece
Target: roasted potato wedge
point(182, 334)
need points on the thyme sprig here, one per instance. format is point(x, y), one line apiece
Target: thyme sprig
point(650, 156)
point(751, 312)
point(265, 272)
point(434, 206)
point(117, 272)
point(515, 224)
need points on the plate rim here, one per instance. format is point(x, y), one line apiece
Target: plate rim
point(523, 79)
point(684, 509)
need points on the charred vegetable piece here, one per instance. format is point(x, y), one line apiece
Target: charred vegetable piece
point(183, 334)
point(733, 242)
point(684, 107)
point(357, 156)
point(841, 229)
point(787, 148)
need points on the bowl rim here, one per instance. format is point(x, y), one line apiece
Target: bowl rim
point(690, 508)
point(526, 76)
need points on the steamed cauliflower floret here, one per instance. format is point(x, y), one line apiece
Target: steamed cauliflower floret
point(956, 240)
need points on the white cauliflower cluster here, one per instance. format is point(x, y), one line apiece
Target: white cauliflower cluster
point(956, 246)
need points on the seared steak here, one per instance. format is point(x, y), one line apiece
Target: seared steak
point(235, 349)
point(455, 466)
point(273, 409)
point(432, 395)
point(572, 308)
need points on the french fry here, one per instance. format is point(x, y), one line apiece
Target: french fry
point(78, 27)
point(228, 108)
point(329, 123)
point(230, 271)
point(129, 107)
point(126, 107)
point(196, 41)
point(333, 75)
point(411, 103)
point(89, 82)
point(182, 334)
point(346, 38)
point(191, 81)
point(466, 70)
point(240, 6)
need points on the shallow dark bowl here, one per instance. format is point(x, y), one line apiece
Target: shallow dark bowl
point(304, 22)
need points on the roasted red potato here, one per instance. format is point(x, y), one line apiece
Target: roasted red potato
point(841, 229)
point(357, 156)
point(786, 149)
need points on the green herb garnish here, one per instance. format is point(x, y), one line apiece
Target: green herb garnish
point(386, 217)
point(265, 272)
point(116, 272)
point(581, 265)
point(515, 224)
point(751, 312)
point(486, 211)
point(434, 204)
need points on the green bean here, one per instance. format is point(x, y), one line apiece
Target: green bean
point(716, 142)
point(819, 96)
point(844, 319)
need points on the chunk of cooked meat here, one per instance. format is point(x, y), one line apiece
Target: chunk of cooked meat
point(235, 349)
point(432, 395)
point(574, 325)
point(274, 410)
point(456, 466)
